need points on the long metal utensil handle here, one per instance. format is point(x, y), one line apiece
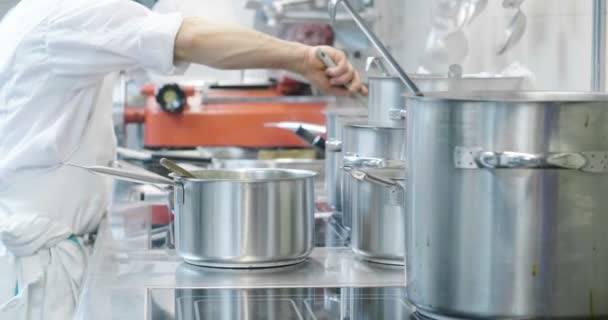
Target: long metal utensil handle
point(175, 168)
point(376, 42)
point(126, 175)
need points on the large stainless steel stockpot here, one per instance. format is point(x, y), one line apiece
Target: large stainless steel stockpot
point(336, 119)
point(506, 205)
point(378, 215)
point(245, 218)
point(386, 103)
point(368, 146)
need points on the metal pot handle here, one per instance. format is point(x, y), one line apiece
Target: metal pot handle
point(369, 162)
point(476, 158)
point(333, 145)
point(397, 113)
point(363, 175)
point(126, 174)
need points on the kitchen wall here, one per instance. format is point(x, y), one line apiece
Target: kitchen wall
point(224, 11)
point(556, 46)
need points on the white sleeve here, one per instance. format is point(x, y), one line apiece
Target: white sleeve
point(97, 37)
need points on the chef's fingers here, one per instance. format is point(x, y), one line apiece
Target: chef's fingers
point(345, 78)
point(342, 64)
point(356, 86)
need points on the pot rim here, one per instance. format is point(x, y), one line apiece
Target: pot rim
point(291, 175)
point(394, 173)
point(374, 126)
point(465, 77)
point(513, 96)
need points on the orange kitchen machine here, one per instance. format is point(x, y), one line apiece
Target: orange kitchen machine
point(181, 117)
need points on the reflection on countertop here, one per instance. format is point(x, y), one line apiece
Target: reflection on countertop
point(132, 270)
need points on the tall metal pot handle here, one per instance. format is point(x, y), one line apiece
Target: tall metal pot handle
point(476, 158)
point(369, 162)
point(176, 194)
point(333, 145)
point(363, 175)
point(397, 113)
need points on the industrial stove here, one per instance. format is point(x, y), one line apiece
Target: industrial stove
point(135, 274)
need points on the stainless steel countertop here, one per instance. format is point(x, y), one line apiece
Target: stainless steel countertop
point(123, 269)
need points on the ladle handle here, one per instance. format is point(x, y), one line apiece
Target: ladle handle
point(377, 43)
point(328, 62)
point(126, 175)
point(175, 168)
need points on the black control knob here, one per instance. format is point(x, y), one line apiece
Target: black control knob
point(171, 98)
point(315, 141)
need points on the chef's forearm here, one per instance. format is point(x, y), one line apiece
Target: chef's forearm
point(232, 47)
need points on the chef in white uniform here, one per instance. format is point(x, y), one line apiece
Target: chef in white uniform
point(56, 58)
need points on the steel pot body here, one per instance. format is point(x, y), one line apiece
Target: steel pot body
point(336, 119)
point(245, 218)
point(378, 217)
point(387, 106)
point(506, 205)
point(368, 146)
point(385, 97)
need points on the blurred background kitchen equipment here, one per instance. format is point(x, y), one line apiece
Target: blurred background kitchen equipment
point(516, 28)
point(469, 10)
point(505, 226)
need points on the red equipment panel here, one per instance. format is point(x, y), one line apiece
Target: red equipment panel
point(240, 124)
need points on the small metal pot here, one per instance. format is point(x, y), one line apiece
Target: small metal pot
point(242, 218)
point(378, 214)
point(245, 218)
point(368, 146)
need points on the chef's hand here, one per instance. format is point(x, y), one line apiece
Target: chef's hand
point(332, 80)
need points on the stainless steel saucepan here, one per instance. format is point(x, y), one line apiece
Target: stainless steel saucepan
point(378, 214)
point(242, 218)
point(368, 146)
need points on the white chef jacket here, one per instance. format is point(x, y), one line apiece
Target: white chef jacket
point(55, 108)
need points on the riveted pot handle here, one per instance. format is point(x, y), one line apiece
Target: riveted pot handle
point(369, 162)
point(333, 145)
point(363, 175)
point(476, 158)
point(179, 194)
point(397, 113)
